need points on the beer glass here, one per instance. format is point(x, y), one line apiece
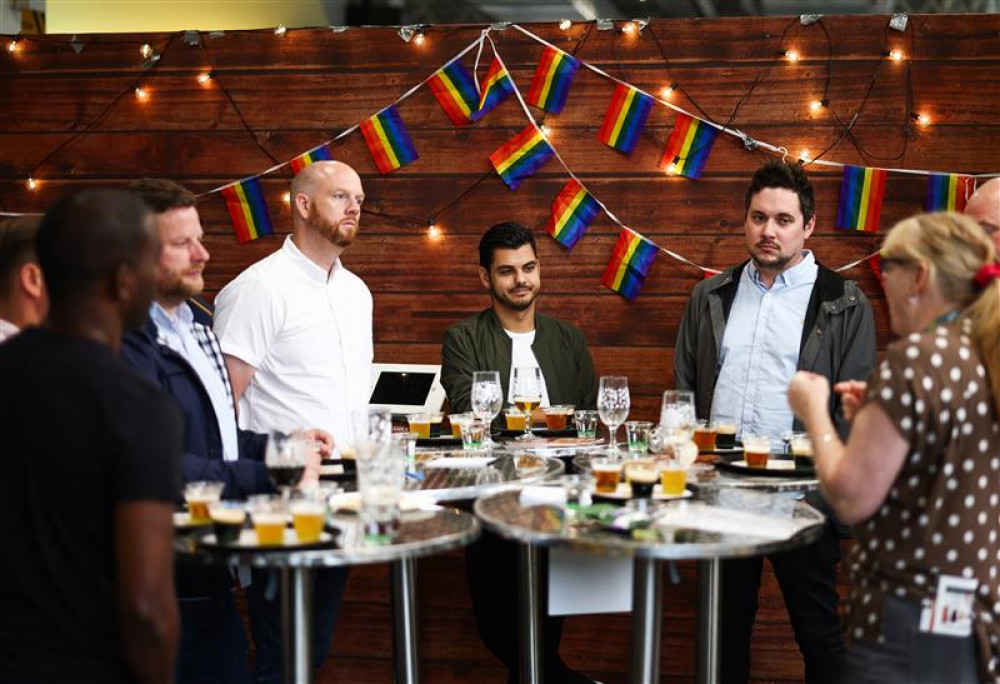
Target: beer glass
point(487, 398)
point(677, 417)
point(285, 459)
point(381, 465)
point(612, 406)
point(527, 393)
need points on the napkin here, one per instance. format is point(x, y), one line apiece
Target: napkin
point(453, 462)
point(543, 496)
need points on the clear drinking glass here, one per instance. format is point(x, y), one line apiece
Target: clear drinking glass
point(677, 417)
point(381, 465)
point(285, 458)
point(487, 398)
point(527, 393)
point(612, 406)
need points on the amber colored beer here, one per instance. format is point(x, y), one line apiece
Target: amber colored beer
point(308, 522)
point(527, 405)
point(607, 477)
point(704, 438)
point(270, 528)
point(756, 459)
point(672, 481)
point(516, 421)
point(456, 430)
point(556, 421)
point(725, 436)
point(198, 509)
point(422, 427)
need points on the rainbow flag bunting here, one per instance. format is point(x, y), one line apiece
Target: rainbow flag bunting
point(496, 88)
point(521, 156)
point(630, 262)
point(388, 141)
point(688, 146)
point(625, 118)
point(573, 210)
point(454, 88)
point(552, 80)
point(321, 153)
point(860, 203)
point(946, 192)
point(247, 209)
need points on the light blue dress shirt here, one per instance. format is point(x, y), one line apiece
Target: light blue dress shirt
point(176, 331)
point(760, 350)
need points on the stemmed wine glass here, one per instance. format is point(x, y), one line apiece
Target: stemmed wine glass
point(677, 418)
point(285, 458)
point(487, 399)
point(612, 406)
point(527, 393)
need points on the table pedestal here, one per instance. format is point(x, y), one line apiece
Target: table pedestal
point(646, 610)
point(530, 613)
point(709, 592)
point(296, 625)
point(403, 580)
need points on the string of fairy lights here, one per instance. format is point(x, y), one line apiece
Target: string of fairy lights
point(151, 56)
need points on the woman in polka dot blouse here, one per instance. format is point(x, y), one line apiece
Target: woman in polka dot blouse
point(919, 478)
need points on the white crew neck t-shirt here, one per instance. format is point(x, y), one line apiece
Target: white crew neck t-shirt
point(522, 355)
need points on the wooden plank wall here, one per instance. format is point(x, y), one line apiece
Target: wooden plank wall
point(301, 89)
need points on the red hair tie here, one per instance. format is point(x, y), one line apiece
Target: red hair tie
point(985, 274)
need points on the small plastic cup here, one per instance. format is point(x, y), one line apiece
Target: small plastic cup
point(607, 475)
point(456, 420)
point(756, 450)
point(198, 496)
point(227, 520)
point(802, 450)
point(556, 417)
point(473, 433)
point(705, 436)
point(517, 420)
point(586, 424)
point(673, 477)
point(642, 474)
point(637, 432)
point(308, 517)
point(269, 518)
point(421, 424)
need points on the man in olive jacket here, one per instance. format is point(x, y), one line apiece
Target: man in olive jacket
point(507, 335)
point(745, 332)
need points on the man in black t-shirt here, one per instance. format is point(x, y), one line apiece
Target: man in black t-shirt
point(90, 455)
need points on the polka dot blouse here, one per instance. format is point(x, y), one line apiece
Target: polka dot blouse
point(942, 513)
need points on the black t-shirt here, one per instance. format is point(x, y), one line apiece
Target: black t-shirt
point(80, 431)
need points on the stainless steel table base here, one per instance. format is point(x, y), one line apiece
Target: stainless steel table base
point(296, 625)
point(646, 609)
point(709, 590)
point(407, 660)
point(530, 614)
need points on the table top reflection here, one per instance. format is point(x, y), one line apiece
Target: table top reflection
point(719, 524)
point(425, 529)
point(450, 475)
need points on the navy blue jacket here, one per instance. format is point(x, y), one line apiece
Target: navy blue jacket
point(203, 460)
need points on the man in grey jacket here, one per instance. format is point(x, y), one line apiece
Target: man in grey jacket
point(744, 334)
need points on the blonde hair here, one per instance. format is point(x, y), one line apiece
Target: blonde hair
point(954, 248)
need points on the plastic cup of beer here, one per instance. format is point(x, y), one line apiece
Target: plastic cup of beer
point(704, 436)
point(473, 433)
point(435, 419)
point(556, 417)
point(586, 424)
point(198, 496)
point(802, 450)
point(607, 475)
point(637, 432)
point(456, 420)
point(421, 424)
point(308, 516)
point(642, 475)
point(725, 434)
point(756, 450)
point(517, 419)
point(673, 477)
point(269, 519)
point(227, 520)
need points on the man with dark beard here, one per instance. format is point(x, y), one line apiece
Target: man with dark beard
point(296, 332)
point(508, 335)
point(180, 354)
point(744, 334)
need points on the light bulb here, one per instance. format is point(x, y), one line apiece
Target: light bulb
point(923, 119)
point(629, 28)
point(791, 55)
point(815, 105)
point(141, 94)
point(13, 46)
point(668, 91)
point(565, 24)
point(146, 51)
point(433, 232)
point(204, 77)
point(280, 30)
point(286, 197)
point(805, 156)
point(32, 184)
point(419, 38)
point(896, 55)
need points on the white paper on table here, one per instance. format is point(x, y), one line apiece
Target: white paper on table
point(542, 496)
point(581, 583)
point(471, 462)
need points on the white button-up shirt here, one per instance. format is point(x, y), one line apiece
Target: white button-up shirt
point(760, 349)
point(308, 334)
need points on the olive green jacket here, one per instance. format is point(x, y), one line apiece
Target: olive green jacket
point(479, 343)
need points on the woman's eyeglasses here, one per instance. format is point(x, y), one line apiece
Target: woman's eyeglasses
point(887, 262)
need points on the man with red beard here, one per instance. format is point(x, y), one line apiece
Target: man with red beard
point(744, 334)
point(296, 331)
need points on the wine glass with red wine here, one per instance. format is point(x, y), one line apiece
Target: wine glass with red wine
point(285, 459)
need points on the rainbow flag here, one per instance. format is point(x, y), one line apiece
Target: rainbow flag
point(552, 80)
point(572, 211)
point(247, 209)
point(454, 88)
point(625, 118)
point(521, 156)
point(630, 262)
point(860, 203)
point(388, 141)
point(946, 192)
point(496, 88)
point(688, 146)
point(321, 153)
